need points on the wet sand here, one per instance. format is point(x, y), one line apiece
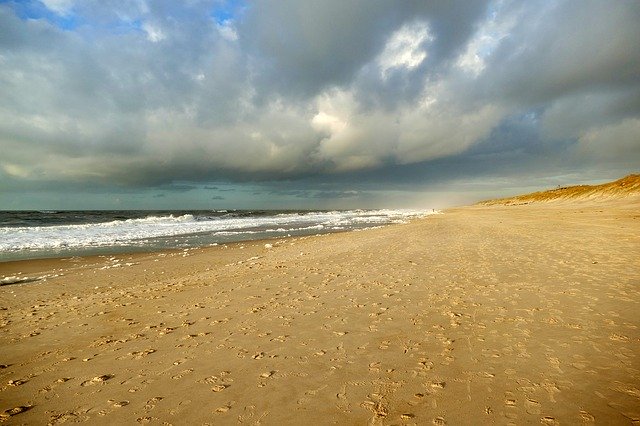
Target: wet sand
point(518, 314)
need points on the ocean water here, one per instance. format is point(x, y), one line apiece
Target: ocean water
point(41, 234)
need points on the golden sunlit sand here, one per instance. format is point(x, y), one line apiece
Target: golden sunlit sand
point(521, 314)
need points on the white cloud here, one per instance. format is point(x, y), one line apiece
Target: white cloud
point(352, 139)
point(405, 48)
point(154, 32)
point(61, 7)
point(442, 130)
point(432, 127)
point(334, 108)
point(324, 122)
point(486, 39)
point(227, 30)
point(16, 170)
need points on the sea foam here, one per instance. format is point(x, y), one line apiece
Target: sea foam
point(208, 229)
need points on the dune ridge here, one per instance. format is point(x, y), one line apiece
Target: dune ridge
point(628, 186)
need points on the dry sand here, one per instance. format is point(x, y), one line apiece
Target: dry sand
point(520, 314)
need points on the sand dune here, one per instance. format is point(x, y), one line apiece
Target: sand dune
point(482, 315)
point(627, 187)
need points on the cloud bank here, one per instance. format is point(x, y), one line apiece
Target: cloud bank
point(143, 93)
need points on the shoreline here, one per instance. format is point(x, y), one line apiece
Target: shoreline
point(123, 251)
point(129, 232)
point(48, 264)
point(522, 314)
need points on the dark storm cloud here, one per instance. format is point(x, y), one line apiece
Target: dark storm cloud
point(582, 67)
point(143, 94)
point(308, 46)
point(317, 194)
point(563, 48)
point(177, 187)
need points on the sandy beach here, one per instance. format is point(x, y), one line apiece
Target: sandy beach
point(482, 315)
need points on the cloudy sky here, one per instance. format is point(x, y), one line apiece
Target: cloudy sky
point(317, 104)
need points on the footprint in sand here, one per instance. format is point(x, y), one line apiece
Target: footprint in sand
point(6, 414)
point(97, 380)
point(62, 417)
point(619, 337)
point(378, 409)
point(150, 405)
point(532, 406)
point(223, 409)
point(548, 420)
point(425, 364)
point(50, 387)
point(183, 373)
point(180, 408)
point(587, 417)
point(142, 354)
point(551, 388)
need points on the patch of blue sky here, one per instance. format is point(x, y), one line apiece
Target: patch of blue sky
point(35, 10)
point(70, 21)
point(494, 30)
point(228, 10)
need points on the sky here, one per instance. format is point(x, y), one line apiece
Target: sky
point(162, 104)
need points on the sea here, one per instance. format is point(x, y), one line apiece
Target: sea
point(46, 234)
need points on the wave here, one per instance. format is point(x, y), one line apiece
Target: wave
point(141, 231)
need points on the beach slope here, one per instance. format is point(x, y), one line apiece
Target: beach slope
point(484, 314)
